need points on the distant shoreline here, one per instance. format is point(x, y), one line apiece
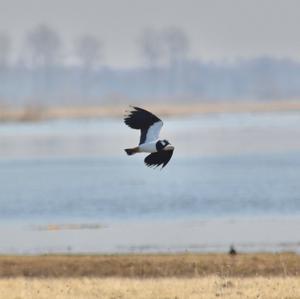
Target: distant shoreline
point(39, 113)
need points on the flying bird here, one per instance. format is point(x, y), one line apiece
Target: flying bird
point(150, 125)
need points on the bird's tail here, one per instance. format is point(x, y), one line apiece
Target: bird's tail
point(131, 151)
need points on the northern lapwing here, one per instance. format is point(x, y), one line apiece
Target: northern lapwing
point(150, 126)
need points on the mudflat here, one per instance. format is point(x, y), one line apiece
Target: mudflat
point(39, 113)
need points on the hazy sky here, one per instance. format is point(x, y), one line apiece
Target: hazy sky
point(217, 29)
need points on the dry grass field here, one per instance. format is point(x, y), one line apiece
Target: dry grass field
point(172, 276)
point(163, 288)
point(150, 265)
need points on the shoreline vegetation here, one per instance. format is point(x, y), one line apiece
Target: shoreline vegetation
point(169, 276)
point(39, 113)
point(188, 265)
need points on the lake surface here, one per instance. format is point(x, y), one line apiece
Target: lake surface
point(116, 188)
point(233, 166)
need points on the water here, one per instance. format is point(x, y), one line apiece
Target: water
point(244, 166)
point(116, 188)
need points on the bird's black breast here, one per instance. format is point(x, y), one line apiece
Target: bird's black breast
point(159, 146)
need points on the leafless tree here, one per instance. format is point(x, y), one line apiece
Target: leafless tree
point(88, 50)
point(151, 47)
point(5, 49)
point(44, 46)
point(176, 44)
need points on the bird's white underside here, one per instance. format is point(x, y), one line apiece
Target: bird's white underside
point(149, 147)
point(153, 132)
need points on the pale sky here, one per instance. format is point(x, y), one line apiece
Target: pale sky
point(217, 29)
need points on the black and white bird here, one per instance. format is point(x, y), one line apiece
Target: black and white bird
point(150, 126)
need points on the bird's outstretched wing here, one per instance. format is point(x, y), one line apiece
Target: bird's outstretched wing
point(149, 124)
point(159, 158)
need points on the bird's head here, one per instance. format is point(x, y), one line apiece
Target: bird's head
point(164, 145)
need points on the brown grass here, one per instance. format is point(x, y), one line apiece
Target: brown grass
point(37, 113)
point(151, 276)
point(165, 288)
point(150, 266)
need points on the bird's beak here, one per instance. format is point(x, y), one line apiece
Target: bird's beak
point(169, 147)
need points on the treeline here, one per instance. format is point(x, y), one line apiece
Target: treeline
point(44, 75)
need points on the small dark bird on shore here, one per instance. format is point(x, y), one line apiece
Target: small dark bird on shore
point(150, 125)
point(232, 250)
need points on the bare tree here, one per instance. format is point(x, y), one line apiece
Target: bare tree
point(88, 50)
point(44, 49)
point(44, 45)
point(5, 49)
point(176, 44)
point(151, 47)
